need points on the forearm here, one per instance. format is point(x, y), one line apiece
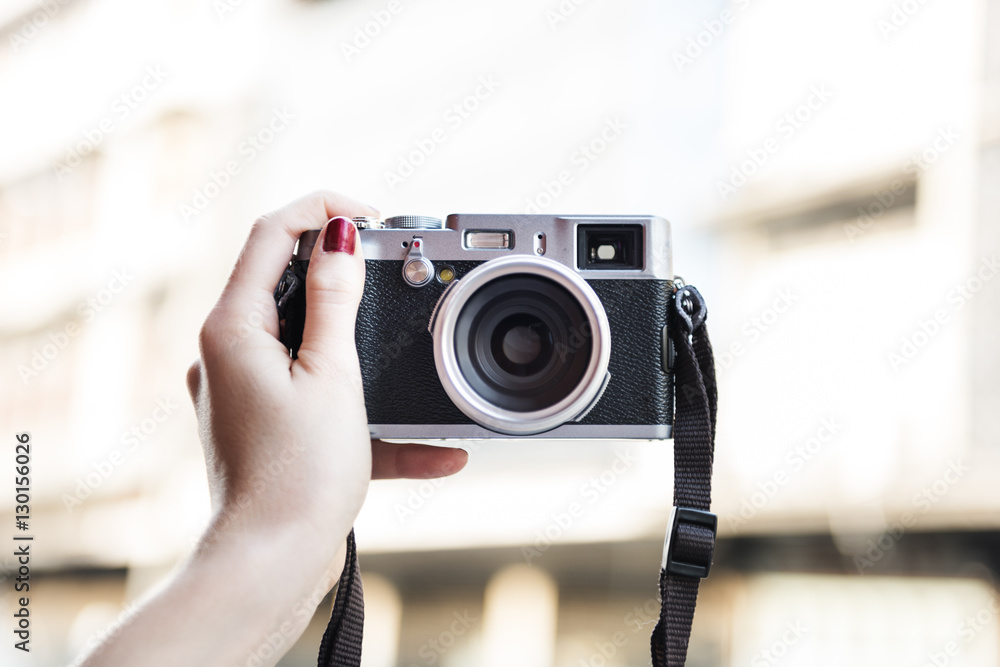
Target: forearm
point(241, 594)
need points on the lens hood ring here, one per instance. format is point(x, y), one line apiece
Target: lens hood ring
point(461, 392)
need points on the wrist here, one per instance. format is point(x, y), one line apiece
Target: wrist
point(281, 572)
point(272, 535)
point(320, 518)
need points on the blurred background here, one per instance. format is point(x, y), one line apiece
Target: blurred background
point(830, 171)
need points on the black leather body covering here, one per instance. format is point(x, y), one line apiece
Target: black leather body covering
point(397, 358)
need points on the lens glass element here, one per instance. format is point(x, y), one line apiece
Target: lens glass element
point(521, 345)
point(523, 342)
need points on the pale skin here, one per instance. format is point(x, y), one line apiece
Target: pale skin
point(275, 544)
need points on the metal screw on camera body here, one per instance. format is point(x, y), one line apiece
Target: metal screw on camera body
point(687, 303)
point(539, 243)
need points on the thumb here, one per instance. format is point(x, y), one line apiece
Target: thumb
point(334, 283)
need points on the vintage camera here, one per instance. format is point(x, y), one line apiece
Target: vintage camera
point(499, 326)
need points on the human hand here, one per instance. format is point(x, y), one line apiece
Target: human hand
point(287, 440)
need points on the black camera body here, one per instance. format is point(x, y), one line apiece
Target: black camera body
point(501, 326)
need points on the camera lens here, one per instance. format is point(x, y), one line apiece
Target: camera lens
point(521, 344)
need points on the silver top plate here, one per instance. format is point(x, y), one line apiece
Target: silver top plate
point(558, 241)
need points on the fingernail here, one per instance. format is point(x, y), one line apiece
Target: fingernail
point(339, 236)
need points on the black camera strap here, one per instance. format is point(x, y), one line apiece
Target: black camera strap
point(341, 643)
point(690, 540)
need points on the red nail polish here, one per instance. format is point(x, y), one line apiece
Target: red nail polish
point(339, 236)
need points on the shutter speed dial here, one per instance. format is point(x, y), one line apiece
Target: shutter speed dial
point(413, 222)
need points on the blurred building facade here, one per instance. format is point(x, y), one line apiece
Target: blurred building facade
point(831, 176)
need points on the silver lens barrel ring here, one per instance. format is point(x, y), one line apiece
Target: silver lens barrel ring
point(465, 391)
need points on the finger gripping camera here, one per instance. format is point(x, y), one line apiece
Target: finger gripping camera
point(500, 326)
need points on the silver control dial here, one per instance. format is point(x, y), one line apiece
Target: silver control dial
point(413, 222)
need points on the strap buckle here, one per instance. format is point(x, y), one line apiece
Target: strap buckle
point(695, 517)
